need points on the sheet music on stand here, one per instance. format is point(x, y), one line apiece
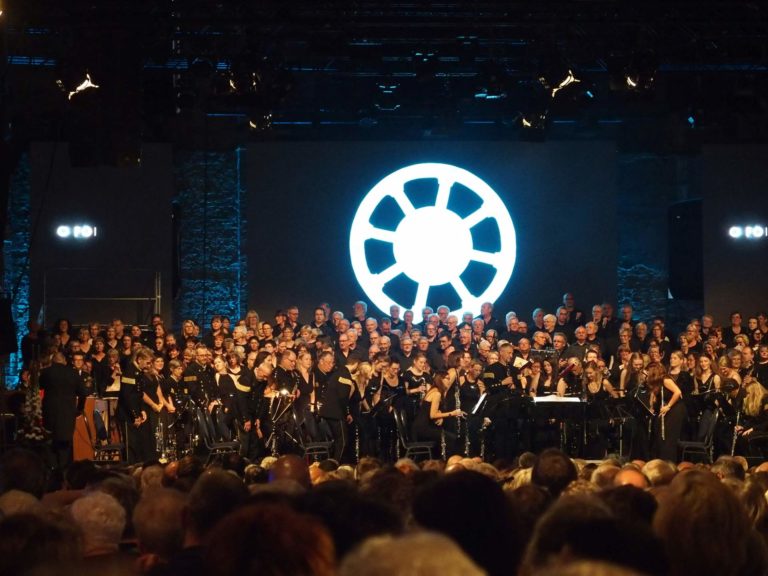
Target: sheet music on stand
point(555, 398)
point(520, 363)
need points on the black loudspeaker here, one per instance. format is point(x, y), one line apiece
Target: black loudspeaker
point(686, 251)
point(8, 343)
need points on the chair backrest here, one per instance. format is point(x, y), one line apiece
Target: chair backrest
point(221, 430)
point(212, 435)
point(707, 426)
point(101, 429)
point(402, 430)
point(202, 425)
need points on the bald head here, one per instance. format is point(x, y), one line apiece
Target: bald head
point(631, 476)
point(290, 467)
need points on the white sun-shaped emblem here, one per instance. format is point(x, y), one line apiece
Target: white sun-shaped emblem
point(433, 245)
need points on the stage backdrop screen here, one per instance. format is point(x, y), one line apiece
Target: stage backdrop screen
point(415, 223)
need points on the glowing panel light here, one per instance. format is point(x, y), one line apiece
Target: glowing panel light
point(78, 231)
point(749, 232)
point(432, 245)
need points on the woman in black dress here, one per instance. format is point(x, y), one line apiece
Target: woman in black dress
point(597, 390)
point(666, 405)
point(679, 374)
point(472, 390)
point(428, 425)
point(417, 380)
point(62, 331)
point(99, 366)
point(386, 393)
point(752, 430)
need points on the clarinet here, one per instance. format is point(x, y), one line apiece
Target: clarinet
point(660, 413)
point(735, 432)
point(466, 427)
point(442, 445)
point(357, 442)
point(458, 405)
point(422, 381)
point(160, 441)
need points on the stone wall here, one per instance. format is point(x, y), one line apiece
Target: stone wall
point(16, 251)
point(648, 184)
point(212, 265)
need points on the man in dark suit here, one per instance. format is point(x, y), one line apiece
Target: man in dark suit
point(64, 399)
point(335, 409)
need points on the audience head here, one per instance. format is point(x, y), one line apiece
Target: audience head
point(214, 495)
point(703, 526)
point(158, 522)
point(583, 527)
point(417, 554)
point(22, 470)
point(472, 509)
point(30, 542)
point(553, 470)
point(270, 540)
point(290, 467)
point(101, 519)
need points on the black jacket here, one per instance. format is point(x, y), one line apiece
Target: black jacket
point(62, 386)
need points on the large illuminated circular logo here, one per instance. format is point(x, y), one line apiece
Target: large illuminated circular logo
point(433, 244)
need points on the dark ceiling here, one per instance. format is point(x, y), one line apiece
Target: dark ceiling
point(190, 71)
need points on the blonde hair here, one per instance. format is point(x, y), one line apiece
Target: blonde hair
point(753, 403)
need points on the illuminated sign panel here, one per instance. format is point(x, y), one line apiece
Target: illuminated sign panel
point(433, 245)
point(751, 232)
point(78, 231)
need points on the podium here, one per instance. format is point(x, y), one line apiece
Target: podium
point(85, 437)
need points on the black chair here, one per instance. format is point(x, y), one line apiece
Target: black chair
point(207, 432)
point(314, 449)
point(103, 450)
point(705, 439)
point(412, 449)
point(317, 450)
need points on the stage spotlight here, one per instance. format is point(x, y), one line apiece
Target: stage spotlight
point(63, 231)
point(569, 79)
point(534, 121)
point(84, 85)
point(260, 121)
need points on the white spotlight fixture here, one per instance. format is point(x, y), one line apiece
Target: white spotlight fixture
point(84, 85)
point(569, 79)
